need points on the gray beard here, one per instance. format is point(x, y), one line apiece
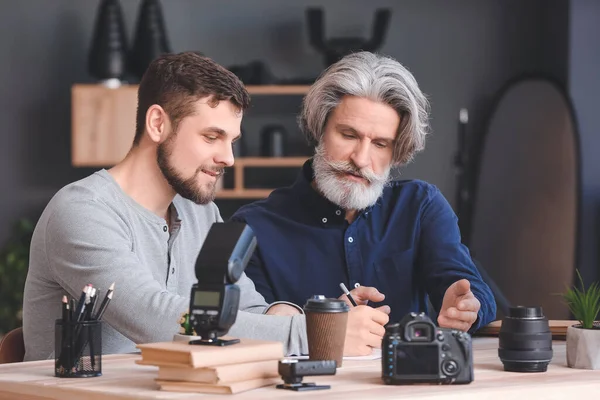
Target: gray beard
point(342, 192)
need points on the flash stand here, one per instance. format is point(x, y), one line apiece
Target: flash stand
point(215, 342)
point(300, 387)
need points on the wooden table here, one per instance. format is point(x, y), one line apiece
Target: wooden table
point(123, 379)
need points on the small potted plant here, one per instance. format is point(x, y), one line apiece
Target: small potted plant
point(186, 331)
point(583, 339)
point(14, 264)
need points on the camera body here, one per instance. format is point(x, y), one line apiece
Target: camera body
point(416, 351)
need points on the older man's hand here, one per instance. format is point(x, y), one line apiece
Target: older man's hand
point(365, 327)
point(364, 294)
point(459, 307)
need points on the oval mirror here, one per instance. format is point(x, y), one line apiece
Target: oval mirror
point(525, 216)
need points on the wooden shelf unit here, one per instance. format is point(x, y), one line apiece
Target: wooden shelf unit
point(239, 191)
point(277, 89)
point(252, 89)
point(102, 124)
point(232, 194)
point(103, 127)
point(103, 120)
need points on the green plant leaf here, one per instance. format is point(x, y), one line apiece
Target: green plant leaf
point(584, 303)
point(14, 263)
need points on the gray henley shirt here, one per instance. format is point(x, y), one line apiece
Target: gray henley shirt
point(93, 232)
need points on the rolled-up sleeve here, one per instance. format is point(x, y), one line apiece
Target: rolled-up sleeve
point(443, 259)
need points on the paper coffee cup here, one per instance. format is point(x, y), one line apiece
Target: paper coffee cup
point(326, 321)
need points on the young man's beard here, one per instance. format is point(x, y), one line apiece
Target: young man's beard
point(343, 192)
point(186, 188)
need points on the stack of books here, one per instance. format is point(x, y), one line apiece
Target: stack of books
point(230, 369)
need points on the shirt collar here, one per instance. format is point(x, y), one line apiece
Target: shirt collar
point(322, 211)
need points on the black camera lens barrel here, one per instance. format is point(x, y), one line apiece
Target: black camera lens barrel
point(525, 340)
point(523, 312)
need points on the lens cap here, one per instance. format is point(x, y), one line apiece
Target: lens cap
point(525, 312)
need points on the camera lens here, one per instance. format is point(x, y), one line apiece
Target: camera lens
point(525, 340)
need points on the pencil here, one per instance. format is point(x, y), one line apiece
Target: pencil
point(107, 298)
point(65, 309)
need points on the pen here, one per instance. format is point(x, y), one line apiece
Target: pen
point(347, 293)
point(65, 340)
point(72, 309)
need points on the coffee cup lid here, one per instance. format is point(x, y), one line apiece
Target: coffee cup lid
point(322, 304)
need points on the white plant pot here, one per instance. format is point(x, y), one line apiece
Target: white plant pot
point(178, 337)
point(583, 347)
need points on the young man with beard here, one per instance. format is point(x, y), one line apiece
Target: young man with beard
point(141, 224)
point(396, 243)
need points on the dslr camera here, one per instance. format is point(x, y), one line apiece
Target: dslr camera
point(416, 351)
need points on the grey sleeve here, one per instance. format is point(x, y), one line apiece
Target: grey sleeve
point(252, 323)
point(86, 242)
point(291, 331)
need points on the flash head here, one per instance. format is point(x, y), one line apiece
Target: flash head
point(225, 253)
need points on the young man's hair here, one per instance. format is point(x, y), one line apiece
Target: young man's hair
point(176, 81)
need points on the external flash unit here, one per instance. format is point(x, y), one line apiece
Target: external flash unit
point(215, 299)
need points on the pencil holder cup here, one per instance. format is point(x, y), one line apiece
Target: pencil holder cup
point(77, 349)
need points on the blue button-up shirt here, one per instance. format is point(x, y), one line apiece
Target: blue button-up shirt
point(407, 246)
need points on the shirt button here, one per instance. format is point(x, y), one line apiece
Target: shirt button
point(172, 270)
point(165, 228)
point(338, 212)
point(350, 239)
point(356, 284)
point(324, 220)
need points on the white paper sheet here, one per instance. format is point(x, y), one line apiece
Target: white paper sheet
point(375, 355)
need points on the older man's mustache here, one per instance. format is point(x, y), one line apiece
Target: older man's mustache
point(349, 167)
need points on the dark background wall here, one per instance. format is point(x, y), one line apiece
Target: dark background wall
point(460, 51)
point(584, 90)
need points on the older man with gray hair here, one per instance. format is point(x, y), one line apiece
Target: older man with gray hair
point(396, 243)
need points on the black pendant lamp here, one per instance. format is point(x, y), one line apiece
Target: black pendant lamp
point(150, 37)
point(107, 58)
